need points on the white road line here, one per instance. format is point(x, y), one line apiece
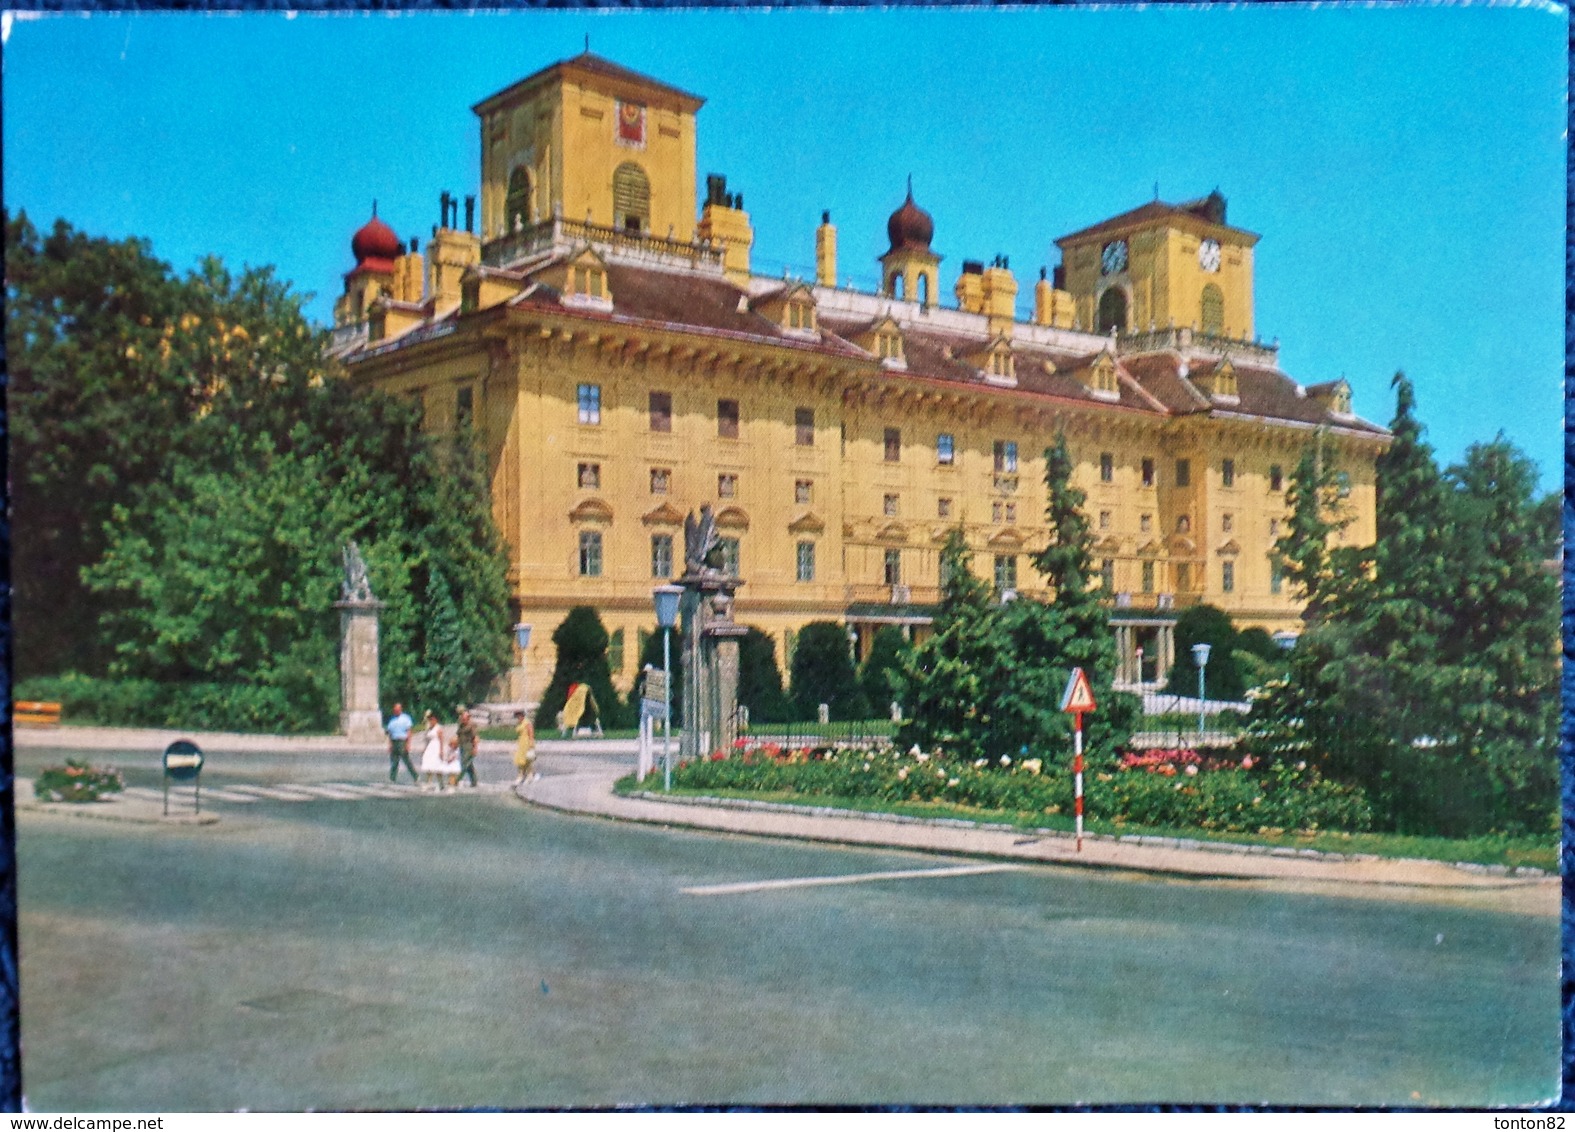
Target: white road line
point(276, 793)
point(217, 794)
point(372, 790)
point(324, 790)
point(856, 878)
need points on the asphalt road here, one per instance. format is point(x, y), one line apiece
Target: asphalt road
point(471, 951)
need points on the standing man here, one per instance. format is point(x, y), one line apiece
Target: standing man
point(398, 729)
point(465, 739)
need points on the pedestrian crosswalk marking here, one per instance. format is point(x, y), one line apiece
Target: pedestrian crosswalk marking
point(247, 793)
point(856, 878)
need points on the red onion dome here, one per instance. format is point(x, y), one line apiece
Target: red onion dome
point(910, 226)
point(375, 240)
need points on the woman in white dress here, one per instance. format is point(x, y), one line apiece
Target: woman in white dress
point(434, 764)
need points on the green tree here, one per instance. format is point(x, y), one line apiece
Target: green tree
point(1314, 496)
point(1212, 626)
point(823, 673)
point(759, 678)
point(877, 675)
point(651, 655)
point(173, 428)
point(581, 641)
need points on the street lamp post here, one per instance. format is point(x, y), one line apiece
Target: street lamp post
point(522, 639)
point(1200, 657)
point(666, 600)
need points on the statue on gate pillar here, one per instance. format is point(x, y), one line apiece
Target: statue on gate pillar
point(711, 636)
point(360, 717)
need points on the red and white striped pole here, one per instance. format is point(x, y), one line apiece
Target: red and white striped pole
point(1077, 775)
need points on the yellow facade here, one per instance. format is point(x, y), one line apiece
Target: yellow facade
point(621, 380)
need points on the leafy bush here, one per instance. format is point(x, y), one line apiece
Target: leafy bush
point(1183, 792)
point(1206, 624)
point(197, 706)
point(759, 678)
point(823, 673)
point(876, 676)
point(581, 640)
point(77, 782)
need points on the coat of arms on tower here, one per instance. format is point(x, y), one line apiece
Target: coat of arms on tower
point(631, 124)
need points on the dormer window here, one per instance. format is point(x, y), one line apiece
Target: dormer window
point(800, 316)
point(1001, 364)
point(590, 281)
point(888, 344)
point(1100, 379)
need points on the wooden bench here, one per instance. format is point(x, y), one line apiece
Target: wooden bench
point(36, 713)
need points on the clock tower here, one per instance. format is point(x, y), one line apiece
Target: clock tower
point(1163, 265)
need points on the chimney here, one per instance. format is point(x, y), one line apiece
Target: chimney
point(1044, 298)
point(443, 199)
point(724, 221)
point(470, 214)
point(970, 287)
point(999, 295)
point(826, 252)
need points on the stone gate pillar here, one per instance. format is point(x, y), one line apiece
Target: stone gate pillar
point(360, 714)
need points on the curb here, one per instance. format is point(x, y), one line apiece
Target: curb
point(1523, 871)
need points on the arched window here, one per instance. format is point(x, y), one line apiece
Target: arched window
point(517, 206)
point(1112, 311)
point(631, 198)
point(924, 290)
point(894, 285)
point(1213, 312)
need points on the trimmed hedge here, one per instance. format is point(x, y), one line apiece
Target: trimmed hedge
point(198, 707)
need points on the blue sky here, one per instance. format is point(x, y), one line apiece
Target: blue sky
point(1404, 165)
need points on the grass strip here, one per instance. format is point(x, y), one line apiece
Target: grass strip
point(1493, 849)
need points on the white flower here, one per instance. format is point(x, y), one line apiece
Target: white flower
point(920, 756)
point(1301, 766)
point(1006, 760)
point(915, 752)
point(952, 781)
point(1192, 768)
point(1033, 766)
point(903, 773)
point(980, 762)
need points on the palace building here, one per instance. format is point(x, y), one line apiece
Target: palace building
point(610, 346)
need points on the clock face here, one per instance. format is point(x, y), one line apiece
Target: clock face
point(1209, 255)
point(1114, 257)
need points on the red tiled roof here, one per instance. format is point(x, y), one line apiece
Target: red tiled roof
point(1154, 210)
point(605, 68)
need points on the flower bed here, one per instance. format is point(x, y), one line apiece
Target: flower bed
point(1172, 788)
point(77, 782)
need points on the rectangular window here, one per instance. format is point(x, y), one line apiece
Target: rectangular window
point(801, 490)
point(995, 511)
point(465, 406)
point(1107, 467)
point(888, 506)
point(615, 651)
point(727, 486)
point(589, 477)
point(1145, 523)
point(945, 448)
point(1276, 575)
point(661, 412)
point(1104, 520)
point(806, 562)
point(590, 404)
point(661, 556)
point(1183, 473)
point(1274, 528)
point(1005, 572)
point(590, 554)
point(1228, 473)
point(943, 507)
point(1183, 577)
point(804, 426)
point(1107, 574)
point(1227, 521)
point(727, 419)
point(661, 480)
point(893, 566)
point(731, 562)
point(893, 445)
point(1011, 512)
point(1228, 576)
point(1005, 456)
point(1148, 472)
point(1148, 577)
point(1276, 478)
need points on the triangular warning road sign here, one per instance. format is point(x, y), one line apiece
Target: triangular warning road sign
point(1078, 697)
